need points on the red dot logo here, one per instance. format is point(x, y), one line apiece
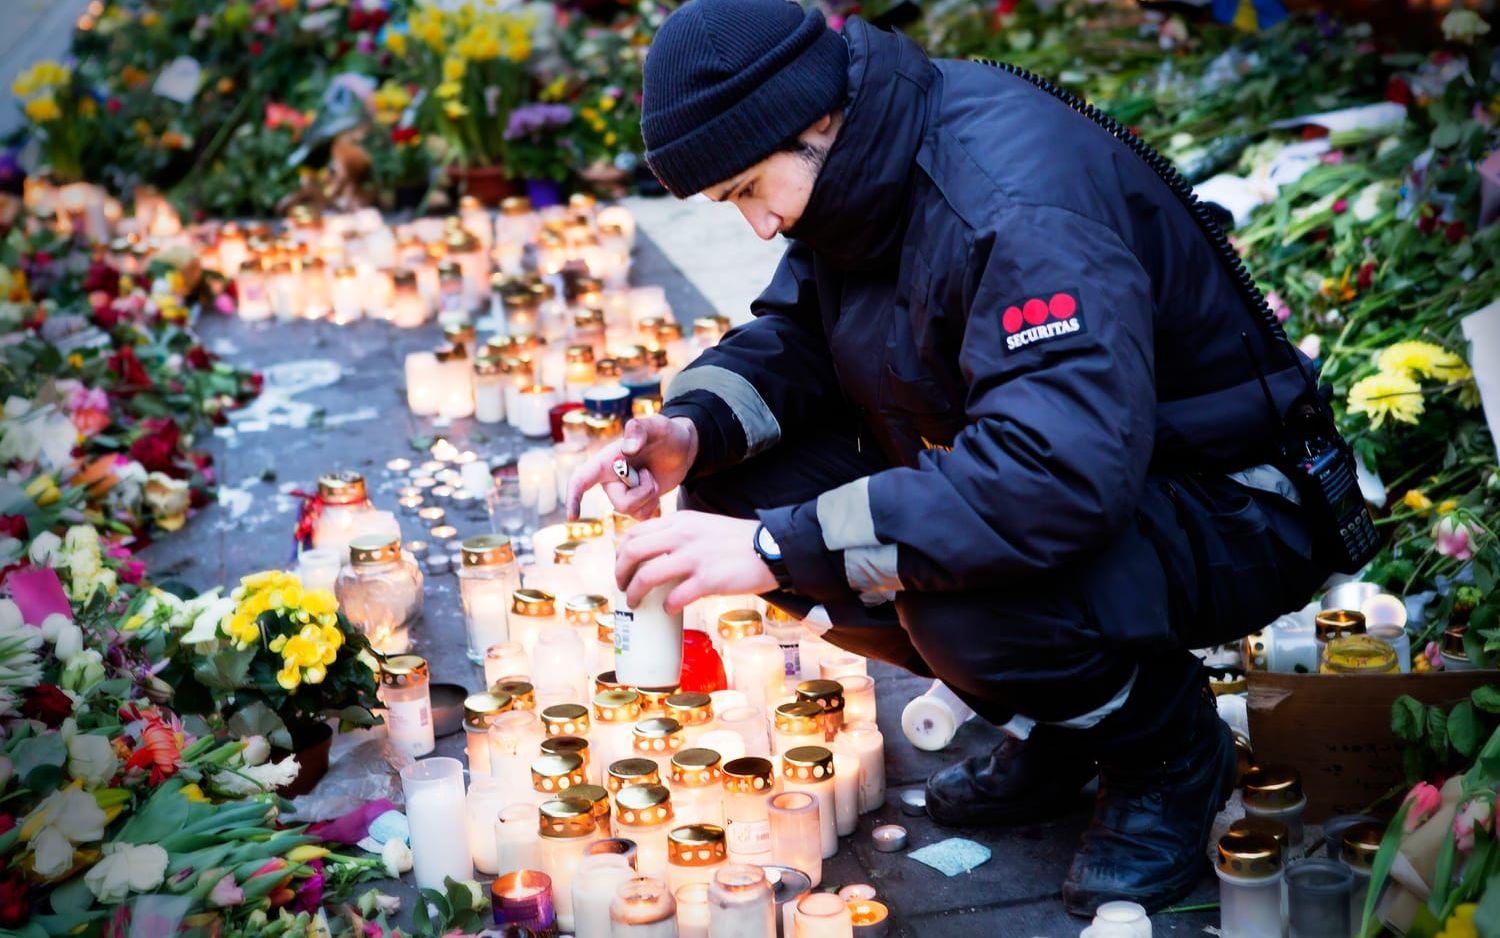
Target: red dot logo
point(1012, 319)
point(1062, 305)
point(1035, 311)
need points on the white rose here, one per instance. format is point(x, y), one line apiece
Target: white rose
point(91, 759)
point(397, 857)
point(257, 750)
point(51, 853)
point(69, 642)
point(126, 868)
point(52, 625)
point(45, 549)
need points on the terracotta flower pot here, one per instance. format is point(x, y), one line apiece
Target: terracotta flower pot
point(488, 184)
point(311, 743)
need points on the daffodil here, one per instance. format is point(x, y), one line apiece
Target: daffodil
point(454, 68)
point(1383, 395)
point(1418, 359)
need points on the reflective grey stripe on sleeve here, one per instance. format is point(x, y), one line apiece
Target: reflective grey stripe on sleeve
point(845, 517)
point(872, 573)
point(739, 395)
point(1267, 478)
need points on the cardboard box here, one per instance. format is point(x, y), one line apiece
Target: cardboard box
point(1337, 730)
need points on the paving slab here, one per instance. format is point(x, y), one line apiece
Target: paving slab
point(359, 420)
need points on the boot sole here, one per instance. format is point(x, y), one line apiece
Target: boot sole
point(1179, 886)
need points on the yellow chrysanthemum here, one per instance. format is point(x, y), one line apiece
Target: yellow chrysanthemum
point(1417, 501)
point(1421, 360)
point(43, 109)
point(1383, 395)
point(454, 68)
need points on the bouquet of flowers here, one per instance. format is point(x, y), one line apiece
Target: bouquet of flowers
point(63, 112)
point(534, 135)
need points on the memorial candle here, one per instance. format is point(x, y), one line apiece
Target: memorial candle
point(822, 915)
point(578, 746)
point(488, 578)
point(749, 784)
point(531, 412)
point(486, 797)
point(696, 780)
point(408, 704)
point(694, 853)
point(531, 611)
point(750, 724)
point(345, 295)
point(741, 903)
point(643, 814)
point(515, 740)
point(845, 791)
point(479, 710)
point(797, 724)
point(434, 790)
point(810, 769)
point(516, 837)
point(865, 741)
point(505, 659)
point(600, 875)
point(567, 828)
point(615, 715)
point(757, 669)
point(657, 739)
point(408, 309)
point(644, 908)
point(523, 899)
point(835, 667)
point(796, 835)
point(859, 698)
point(424, 377)
point(692, 910)
point(552, 774)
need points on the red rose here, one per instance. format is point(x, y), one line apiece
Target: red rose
point(47, 703)
point(256, 381)
point(1455, 232)
point(102, 277)
point(13, 526)
point(1366, 275)
point(7, 823)
point(15, 904)
point(131, 372)
point(257, 47)
point(200, 358)
point(1398, 90)
point(156, 448)
point(113, 105)
point(403, 134)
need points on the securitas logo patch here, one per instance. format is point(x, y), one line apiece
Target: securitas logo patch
point(1038, 320)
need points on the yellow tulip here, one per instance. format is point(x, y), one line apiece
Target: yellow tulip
point(43, 109)
point(306, 852)
point(192, 792)
point(449, 89)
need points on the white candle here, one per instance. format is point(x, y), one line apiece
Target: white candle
point(643, 908)
point(531, 415)
point(749, 723)
point(727, 743)
point(865, 741)
point(749, 784)
point(810, 769)
point(346, 295)
point(318, 568)
point(567, 828)
point(859, 698)
point(515, 741)
point(648, 640)
point(435, 810)
point(834, 667)
point(759, 669)
point(516, 838)
point(692, 910)
point(600, 875)
point(725, 700)
point(932, 720)
point(697, 783)
point(796, 837)
point(536, 471)
point(423, 383)
point(741, 903)
point(503, 660)
point(822, 915)
point(408, 704)
point(558, 657)
point(456, 391)
point(846, 769)
point(486, 798)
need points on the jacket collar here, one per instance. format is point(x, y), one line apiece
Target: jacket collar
point(857, 212)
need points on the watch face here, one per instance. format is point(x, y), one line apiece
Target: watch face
point(767, 543)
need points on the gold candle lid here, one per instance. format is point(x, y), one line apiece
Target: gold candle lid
point(370, 549)
point(778, 614)
point(522, 694)
point(1335, 623)
point(556, 772)
point(515, 205)
point(450, 353)
point(696, 845)
point(617, 706)
point(566, 719)
point(596, 796)
point(342, 488)
point(584, 608)
point(643, 805)
point(487, 550)
point(568, 816)
point(690, 708)
point(1266, 827)
point(807, 763)
point(740, 623)
point(654, 700)
point(403, 669)
point(1249, 855)
point(557, 745)
point(456, 332)
point(827, 695)
point(627, 772)
point(1272, 787)
point(576, 354)
point(488, 365)
point(696, 768)
point(604, 633)
point(799, 718)
point(1362, 842)
point(563, 554)
point(585, 529)
point(656, 735)
point(749, 775)
point(479, 708)
point(532, 603)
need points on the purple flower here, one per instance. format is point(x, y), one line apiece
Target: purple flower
point(532, 120)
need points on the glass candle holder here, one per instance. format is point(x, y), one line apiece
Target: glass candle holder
point(523, 899)
point(1358, 845)
point(1275, 791)
point(505, 659)
point(643, 813)
point(931, 720)
point(694, 853)
point(405, 691)
point(516, 846)
point(1249, 870)
point(479, 710)
point(733, 627)
point(865, 741)
point(755, 669)
point(434, 792)
point(486, 796)
point(380, 591)
point(810, 769)
point(515, 740)
point(822, 915)
point(795, 724)
point(318, 568)
point(828, 697)
point(486, 581)
point(749, 783)
point(657, 739)
point(567, 827)
point(600, 876)
point(696, 779)
point(741, 902)
point(531, 612)
point(615, 716)
point(796, 833)
point(1318, 898)
point(788, 632)
point(644, 908)
point(859, 698)
point(749, 723)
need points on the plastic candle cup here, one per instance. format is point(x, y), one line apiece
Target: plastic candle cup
point(756, 669)
point(643, 908)
point(577, 745)
point(723, 700)
point(515, 738)
point(694, 853)
point(694, 712)
point(516, 836)
point(479, 709)
point(732, 627)
point(523, 898)
point(552, 774)
point(697, 784)
point(522, 694)
point(846, 768)
point(408, 704)
point(871, 919)
point(859, 698)
point(434, 791)
point(504, 659)
point(623, 773)
point(822, 915)
point(657, 739)
point(600, 875)
point(788, 632)
point(1357, 849)
point(318, 567)
point(828, 696)
point(1249, 870)
point(532, 404)
point(558, 656)
point(865, 741)
point(796, 833)
point(810, 769)
point(485, 799)
point(531, 611)
point(797, 724)
point(834, 667)
point(1275, 792)
point(692, 910)
point(643, 813)
point(741, 903)
point(567, 719)
point(1319, 898)
point(749, 784)
point(931, 720)
point(749, 723)
point(568, 826)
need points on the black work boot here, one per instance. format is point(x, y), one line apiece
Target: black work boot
point(1153, 815)
point(1020, 782)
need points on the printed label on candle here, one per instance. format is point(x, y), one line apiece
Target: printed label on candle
point(748, 837)
point(408, 716)
point(624, 618)
point(793, 655)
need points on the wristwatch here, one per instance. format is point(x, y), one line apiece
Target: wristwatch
point(770, 552)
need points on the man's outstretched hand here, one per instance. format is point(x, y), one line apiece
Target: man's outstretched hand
point(660, 449)
point(711, 555)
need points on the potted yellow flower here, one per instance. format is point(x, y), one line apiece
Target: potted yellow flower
point(62, 114)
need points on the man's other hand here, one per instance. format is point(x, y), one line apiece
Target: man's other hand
point(660, 449)
point(707, 555)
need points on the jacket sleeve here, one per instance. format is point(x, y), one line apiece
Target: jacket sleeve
point(771, 375)
point(1057, 358)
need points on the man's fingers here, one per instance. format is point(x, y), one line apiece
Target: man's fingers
point(636, 434)
point(635, 550)
point(689, 590)
point(664, 568)
point(637, 502)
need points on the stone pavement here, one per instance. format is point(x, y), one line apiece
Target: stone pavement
point(33, 29)
point(359, 420)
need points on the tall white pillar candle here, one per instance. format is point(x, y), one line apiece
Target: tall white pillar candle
point(516, 838)
point(845, 792)
point(865, 741)
point(810, 769)
point(435, 810)
point(692, 910)
point(485, 799)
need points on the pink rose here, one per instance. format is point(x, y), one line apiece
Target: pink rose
point(1453, 538)
point(1424, 801)
point(1476, 814)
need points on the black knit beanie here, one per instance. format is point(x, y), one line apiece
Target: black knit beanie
point(728, 81)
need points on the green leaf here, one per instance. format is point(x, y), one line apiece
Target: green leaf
point(1442, 876)
point(1437, 732)
point(39, 762)
point(1487, 698)
point(1487, 915)
point(1474, 648)
point(1380, 871)
point(1446, 135)
point(1464, 731)
point(1407, 720)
